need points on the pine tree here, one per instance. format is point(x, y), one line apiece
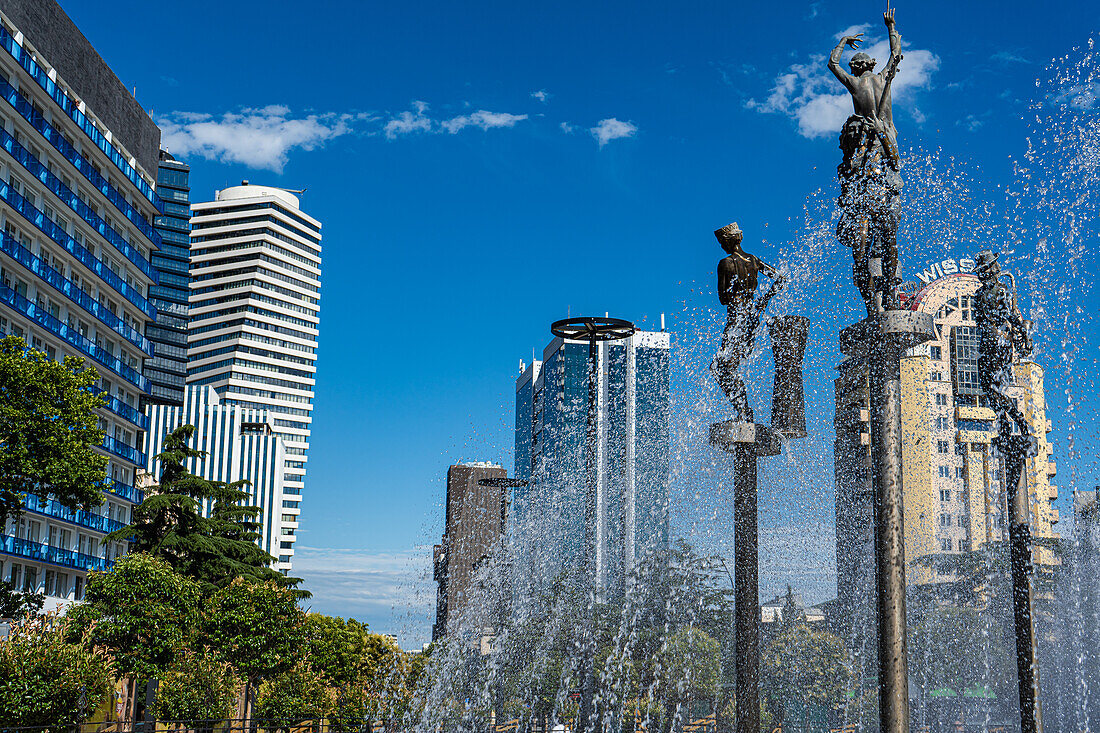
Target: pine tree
point(211, 547)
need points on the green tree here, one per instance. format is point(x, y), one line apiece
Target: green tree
point(198, 687)
point(48, 426)
point(143, 612)
point(16, 605)
point(338, 649)
point(256, 627)
point(291, 696)
point(48, 680)
point(691, 668)
point(170, 525)
point(804, 668)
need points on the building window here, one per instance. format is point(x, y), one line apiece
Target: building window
point(941, 446)
point(943, 423)
point(945, 545)
point(937, 353)
point(964, 359)
point(960, 449)
point(960, 472)
point(78, 589)
point(945, 472)
point(941, 399)
point(945, 494)
point(945, 520)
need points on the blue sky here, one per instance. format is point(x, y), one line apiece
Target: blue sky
point(482, 168)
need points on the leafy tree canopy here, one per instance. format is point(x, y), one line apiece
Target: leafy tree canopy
point(16, 605)
point(48, 427)
point(141, 611)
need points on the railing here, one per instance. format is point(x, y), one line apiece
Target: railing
point(54, 555)
point(62, 330)
point(124, 451)
point(126, 412)
point(53, 136)
point(68, 288)
point(34, 166)
point(81, 518)
point(60, 237)
point(126, 491)
point(83, 121)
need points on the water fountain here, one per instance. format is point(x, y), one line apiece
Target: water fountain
point(562, 659)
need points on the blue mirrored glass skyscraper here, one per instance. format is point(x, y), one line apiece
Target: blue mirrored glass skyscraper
point(632, 458)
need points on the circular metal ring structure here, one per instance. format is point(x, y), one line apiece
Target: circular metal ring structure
point(593, 329)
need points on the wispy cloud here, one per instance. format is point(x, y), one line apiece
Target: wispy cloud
point(391, 591)
point(259, 138)
point(420, 121)
point(1010, 57)
point(612, 129)
point(483, 119)
point(567, 128)
point(810, 95)
point(542, 95)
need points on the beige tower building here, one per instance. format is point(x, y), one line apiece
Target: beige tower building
point(954, 493)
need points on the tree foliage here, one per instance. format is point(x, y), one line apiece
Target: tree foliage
point(292, 695)
point(48, 426)
point(170, 523)
point(197, 687)
point(142, 611)
point(47, 679)
point(256, 627)
point(802, 668)
point(16, 605)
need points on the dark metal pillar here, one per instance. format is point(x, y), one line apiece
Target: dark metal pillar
point(592, 330)
point(746, 589)
point(1014, 449)
point(588, 661)
point(884, 372)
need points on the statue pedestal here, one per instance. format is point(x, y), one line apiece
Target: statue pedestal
point(748, 442)
point(731, 435)
point(879, 341)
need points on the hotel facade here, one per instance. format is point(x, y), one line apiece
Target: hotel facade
point(953, 478)
point(78, 160)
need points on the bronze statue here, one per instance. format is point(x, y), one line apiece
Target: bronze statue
point(1002, 334)
point(870, 172)
point(737, 280)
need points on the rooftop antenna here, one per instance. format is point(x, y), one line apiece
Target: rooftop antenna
point(662, 321)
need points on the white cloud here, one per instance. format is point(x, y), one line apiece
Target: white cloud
point(567, 128)
point(391, 591)
point(258, 138)
point(1010, 57)
point(482, 118)
point(409, 122)
point(542, 95)
point(612, 129)
point(419, 121)
point(808, 92)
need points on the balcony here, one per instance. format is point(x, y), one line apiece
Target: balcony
point(70, 335)
point(1052, 468)
point(63, 285)
point(62, 239)
point(128, 492)
point(969, 412)
point(54, 185)
point(133, 455)
point(81, 518)
point(70, 108)
point(126, 412)
point(52, 555)
point(82, 164)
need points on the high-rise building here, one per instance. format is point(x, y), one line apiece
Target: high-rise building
point(952, 477)
point(475, 524)
point(239, 443)
point(78, 156)
point(167, 370)
point(253, 318)
point(632, 458)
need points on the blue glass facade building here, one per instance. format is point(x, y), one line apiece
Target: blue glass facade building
point(631, 502)
point(167, 370)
